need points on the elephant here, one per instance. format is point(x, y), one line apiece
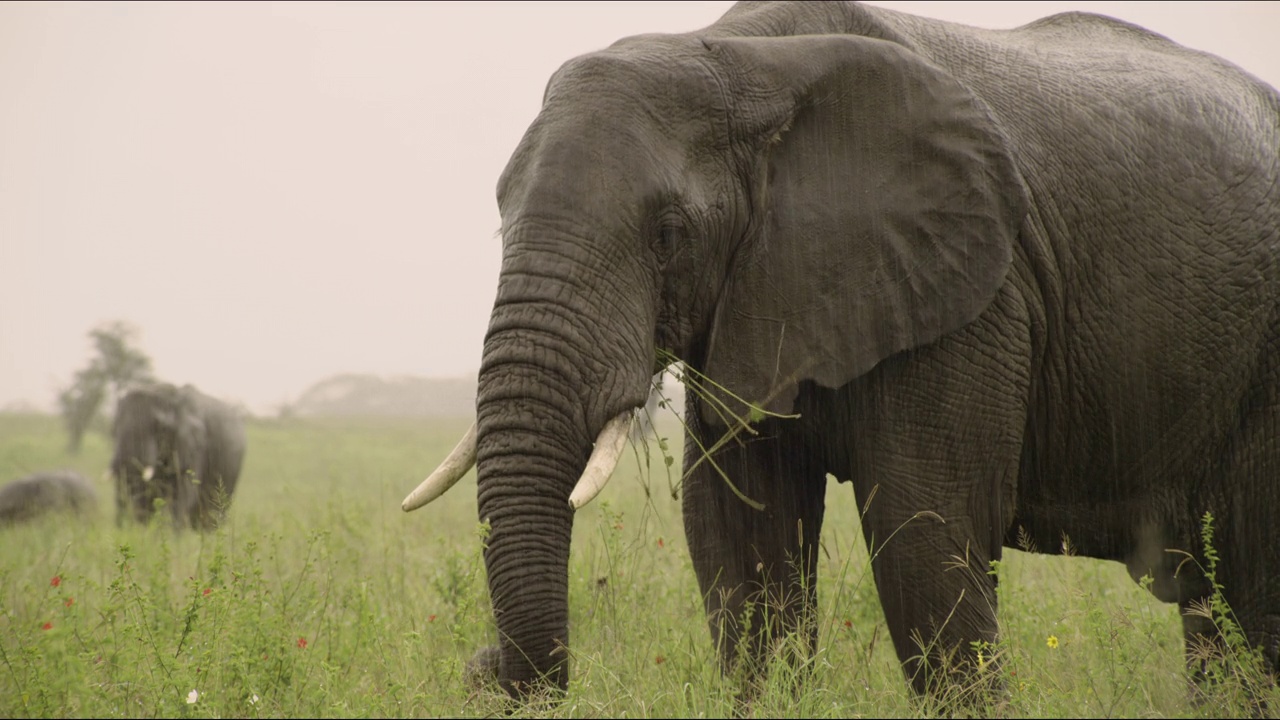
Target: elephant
point(49, 491)
point(1013, 286)
point(178, 445)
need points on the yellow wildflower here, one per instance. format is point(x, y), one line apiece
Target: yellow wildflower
point(1052, 642)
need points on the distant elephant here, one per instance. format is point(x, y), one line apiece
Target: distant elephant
point(180, 446)
point(1016, 284)
point(46, 492)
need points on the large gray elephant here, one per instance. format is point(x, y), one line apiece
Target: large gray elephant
point(49, 491)
point(178, 445)
point(1015, 284)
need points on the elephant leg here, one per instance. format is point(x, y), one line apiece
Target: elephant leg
point(936, 442)
point(757, 569)
point(1218, 662)
point(939, 600)
point(1242, 497)
point(1246, 539)
point(123, 507)
point(1201, 642)
point(209, 503)
point(185, 498)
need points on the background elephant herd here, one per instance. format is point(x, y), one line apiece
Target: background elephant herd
point(178, 452)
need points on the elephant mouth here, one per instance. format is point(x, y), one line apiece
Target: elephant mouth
point(604, 458)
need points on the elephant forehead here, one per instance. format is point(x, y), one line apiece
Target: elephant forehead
point(670, 72)
point(616, 139)
point(647, 89)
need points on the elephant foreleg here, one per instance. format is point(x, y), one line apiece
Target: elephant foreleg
point(935, 440)
point(757, 569)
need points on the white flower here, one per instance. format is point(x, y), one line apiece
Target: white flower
point(192, 697)
point(253, 700)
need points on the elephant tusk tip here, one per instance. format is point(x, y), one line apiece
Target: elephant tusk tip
point(460, 461)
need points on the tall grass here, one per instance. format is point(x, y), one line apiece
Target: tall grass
point(319, 597)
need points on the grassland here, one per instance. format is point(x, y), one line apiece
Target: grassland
point(321, 598)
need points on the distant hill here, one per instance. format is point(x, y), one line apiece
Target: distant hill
point(403, 396)
point(25, 407)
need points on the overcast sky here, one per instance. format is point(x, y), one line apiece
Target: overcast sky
point(276, 192)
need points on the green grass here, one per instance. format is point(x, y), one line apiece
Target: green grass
point(391, 605)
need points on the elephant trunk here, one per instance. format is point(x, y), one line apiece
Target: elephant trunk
point(526, 553)
point(540, 406)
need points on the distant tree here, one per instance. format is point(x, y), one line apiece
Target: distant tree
point(79, 404)
point(117, 367)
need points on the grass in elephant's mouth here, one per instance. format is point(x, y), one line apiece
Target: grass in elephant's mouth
point(321, 598)
point(736, 414)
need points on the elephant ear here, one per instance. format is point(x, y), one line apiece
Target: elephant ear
point(886, 212)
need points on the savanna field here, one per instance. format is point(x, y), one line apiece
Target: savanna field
point(320, 597)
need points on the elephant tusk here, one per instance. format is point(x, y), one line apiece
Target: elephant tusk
point(462, 459)
point(148, 472)
point(603, 460)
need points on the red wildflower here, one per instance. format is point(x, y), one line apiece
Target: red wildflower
point(207, 591)
point(660, 542)
point(56, 581)
point(431, 618)
point(660, 659)
point(848, 623)
point(47, 626)
point(70, 601)
point(302, 642)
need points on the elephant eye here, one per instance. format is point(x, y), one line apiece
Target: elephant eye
point(667, 241)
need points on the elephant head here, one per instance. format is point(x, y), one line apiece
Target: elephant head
point(177, 446)
point(769, 210)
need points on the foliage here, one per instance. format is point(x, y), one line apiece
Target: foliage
point(116, 367)
point(320, 598)
point(1228, 672)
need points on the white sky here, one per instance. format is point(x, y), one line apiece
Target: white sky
point(276, 192)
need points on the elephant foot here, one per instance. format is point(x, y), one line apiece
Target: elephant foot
point(482, 669)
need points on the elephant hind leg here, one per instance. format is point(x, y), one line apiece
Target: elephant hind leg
point(757, 569)
point(1242, 494)
point(1221, 672)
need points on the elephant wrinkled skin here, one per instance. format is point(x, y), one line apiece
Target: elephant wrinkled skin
point(180, 446)
point(1017, 284)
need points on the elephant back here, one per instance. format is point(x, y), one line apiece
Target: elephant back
point(46, 492)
